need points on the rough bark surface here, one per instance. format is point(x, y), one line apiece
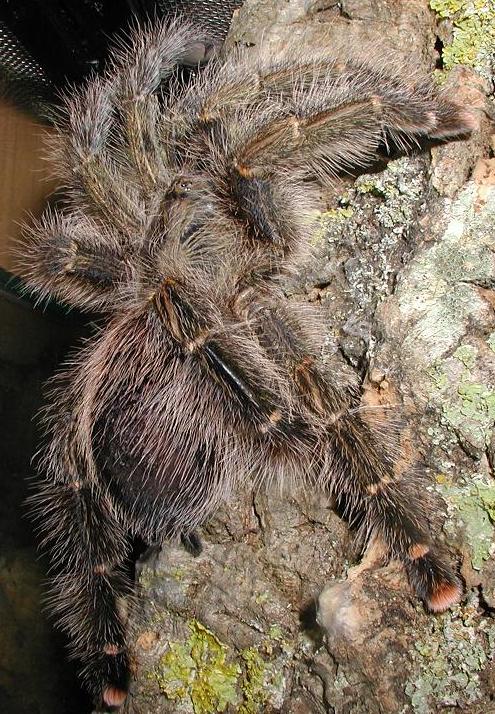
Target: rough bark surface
point(274, 616)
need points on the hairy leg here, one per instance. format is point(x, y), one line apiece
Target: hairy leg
point(88, 548)
point(361, 468)
point(75, 260)
point(264, 109)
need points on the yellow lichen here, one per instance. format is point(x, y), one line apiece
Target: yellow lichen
point(199, 670)
point(473, 34)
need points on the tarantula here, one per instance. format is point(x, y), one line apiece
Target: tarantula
point(183, 212)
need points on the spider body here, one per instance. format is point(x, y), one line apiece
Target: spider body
point(183, 214)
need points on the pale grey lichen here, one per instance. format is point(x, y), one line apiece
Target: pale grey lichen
point(439, 297)
point(375, 215)
point(449, 661)
point(471, 511)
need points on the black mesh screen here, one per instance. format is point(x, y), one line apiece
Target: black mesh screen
point(22, 79)
point(44, 44)
point(214, 15)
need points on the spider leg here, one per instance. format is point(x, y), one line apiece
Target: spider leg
point(314, 137)
point(109, 147)
point(308, 85)
point(88, 548)
point(226, 358)
point(334, 127)
point(82, 148)
point(74, 259)
point(261, 158)
point(138, 72)
point(360, 471)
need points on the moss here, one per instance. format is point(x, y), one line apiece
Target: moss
point(473, 38)
point(449, 661)
point(198, 670)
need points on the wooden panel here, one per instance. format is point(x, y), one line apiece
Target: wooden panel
point(24, 183)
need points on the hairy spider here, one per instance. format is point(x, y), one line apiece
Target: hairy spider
point(183, 212)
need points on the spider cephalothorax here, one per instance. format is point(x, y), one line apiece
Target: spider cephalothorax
point(183, 211)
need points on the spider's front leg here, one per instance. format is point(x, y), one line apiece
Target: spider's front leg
point(317, 115)
point(262, 156)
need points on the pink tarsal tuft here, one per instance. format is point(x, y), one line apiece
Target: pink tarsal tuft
point(445, 595)
point(113, 696)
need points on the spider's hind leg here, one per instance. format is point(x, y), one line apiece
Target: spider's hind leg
point(362, 471)
point(88, 547)
point(359, 468)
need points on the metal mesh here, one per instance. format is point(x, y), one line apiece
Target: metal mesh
point(22, 79)
point(69, 39)
point(213, 15)
point(15, 60)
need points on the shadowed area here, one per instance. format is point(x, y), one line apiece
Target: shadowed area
point(35, 677)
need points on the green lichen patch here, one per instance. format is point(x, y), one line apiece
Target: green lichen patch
point(449, 662)
point(471, 411)
point(328, 221)
point(467, 405)
point(275, 632)
point(491, 341)
point(473, 37)
point(473, 503)
point(487, 498)
point(263, 680)
point(340, 214)
point(254, 684)
point(467, 355)
point(207, 676)
point(198, 670)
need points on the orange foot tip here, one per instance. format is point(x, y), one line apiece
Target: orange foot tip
point(114, 697)
point(445, 595)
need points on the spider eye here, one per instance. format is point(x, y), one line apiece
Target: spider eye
point(181, 187)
